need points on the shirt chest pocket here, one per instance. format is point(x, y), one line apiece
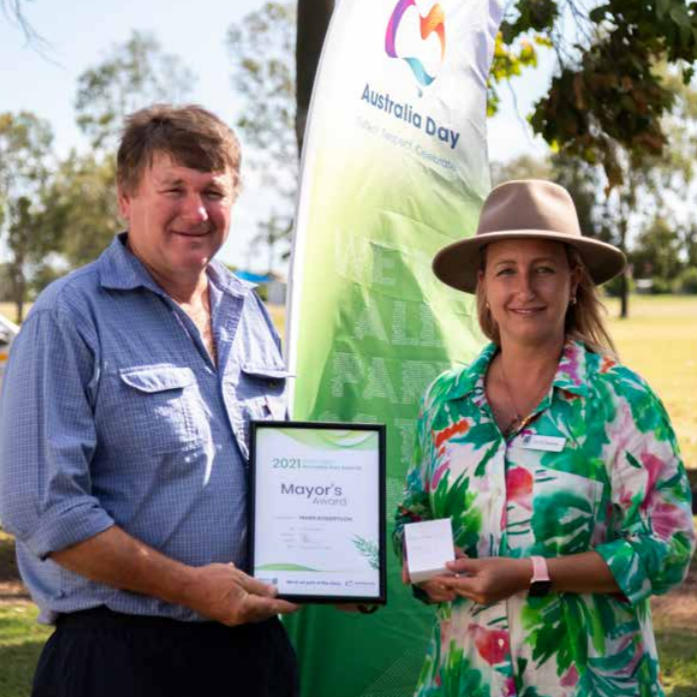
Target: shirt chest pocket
point(259, 393)
point(160, 409)
point(565, 507)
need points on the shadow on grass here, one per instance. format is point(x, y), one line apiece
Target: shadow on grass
point(18, 663)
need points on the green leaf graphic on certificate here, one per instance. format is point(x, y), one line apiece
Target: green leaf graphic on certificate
point(368, 549)
point(333, 439)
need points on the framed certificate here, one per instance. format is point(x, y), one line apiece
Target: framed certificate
point(317, 510)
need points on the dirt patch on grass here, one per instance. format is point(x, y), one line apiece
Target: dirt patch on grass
point(13, 593)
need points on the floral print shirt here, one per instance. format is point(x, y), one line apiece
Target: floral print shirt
point(596, 467)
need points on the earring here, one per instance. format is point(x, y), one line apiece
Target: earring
point(572, 301)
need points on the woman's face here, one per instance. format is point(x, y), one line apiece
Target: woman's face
point(528, 285)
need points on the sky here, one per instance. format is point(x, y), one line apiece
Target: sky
point(80, 34)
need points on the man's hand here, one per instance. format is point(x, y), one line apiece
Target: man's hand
point(225, 594)
point(487, 581)
point(218, 591)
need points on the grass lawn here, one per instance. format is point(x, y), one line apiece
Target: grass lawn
point(659, 341)
point(21, 640)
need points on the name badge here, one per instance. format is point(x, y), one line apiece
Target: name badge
point(552, 444)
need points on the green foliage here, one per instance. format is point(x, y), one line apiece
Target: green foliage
point(656, 253)
point(132, 76)
point(687, 281)
point(613, 288)
point(81, 204)
point(607, 101)
point(25, 155)
point(261, 48)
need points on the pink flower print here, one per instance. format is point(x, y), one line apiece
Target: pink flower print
point(509, 688)
point(569, 364)
point(492, 644)
point(570, 679)
point(666, 519)
point(438, 474)
point(445, 634)
point(654, 465)
point(621, 431)
point(519, 487)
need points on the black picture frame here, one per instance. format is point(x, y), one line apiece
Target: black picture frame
point(256, 516)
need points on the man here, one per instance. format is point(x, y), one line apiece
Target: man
point(123, 440)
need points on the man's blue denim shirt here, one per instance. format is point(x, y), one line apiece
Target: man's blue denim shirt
point(112, 412)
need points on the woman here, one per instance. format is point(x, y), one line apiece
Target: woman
point(557, 466)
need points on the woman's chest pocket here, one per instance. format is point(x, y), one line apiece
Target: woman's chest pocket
point(153, 408)
point(563, 498)
point(565, 507)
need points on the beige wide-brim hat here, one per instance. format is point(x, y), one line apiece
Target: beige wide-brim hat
point(528, 209)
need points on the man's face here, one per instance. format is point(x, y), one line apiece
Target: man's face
point(178, 217)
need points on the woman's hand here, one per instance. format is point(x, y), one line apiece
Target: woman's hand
point(434, 588)
point(487, 581)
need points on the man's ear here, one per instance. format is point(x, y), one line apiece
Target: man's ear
point(124, 201)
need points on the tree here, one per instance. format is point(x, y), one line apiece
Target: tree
point(656, 253)
point(25, 153)
point(80, 203)
point(260, 48)
point(14, 12)
point(607, 98)
point(135, 74)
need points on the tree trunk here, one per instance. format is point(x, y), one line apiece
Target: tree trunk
point(19, 286)
point(626, 207)
point(313, 20)
point(624, 296)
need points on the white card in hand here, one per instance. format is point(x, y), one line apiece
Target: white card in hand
point(429, 546)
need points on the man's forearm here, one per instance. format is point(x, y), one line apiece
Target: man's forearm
point(117, 559)
point(220, 592)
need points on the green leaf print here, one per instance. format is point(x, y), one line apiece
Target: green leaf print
point(458, 503)
point(457, 678)
point(562, 523)
point(480, 435)
point(545, 620)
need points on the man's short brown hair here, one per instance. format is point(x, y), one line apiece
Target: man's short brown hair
point(192, 136)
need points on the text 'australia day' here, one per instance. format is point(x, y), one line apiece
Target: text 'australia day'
point(405, 112)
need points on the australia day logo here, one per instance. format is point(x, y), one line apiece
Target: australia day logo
point(408, 38)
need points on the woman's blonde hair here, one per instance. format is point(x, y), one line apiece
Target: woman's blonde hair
point(585, 319)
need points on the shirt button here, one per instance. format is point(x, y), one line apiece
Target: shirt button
point(502, 643)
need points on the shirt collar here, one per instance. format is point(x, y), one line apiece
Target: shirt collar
point(120, 269)
point(570, 376)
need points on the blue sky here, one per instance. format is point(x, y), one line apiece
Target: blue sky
point(81, 34)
